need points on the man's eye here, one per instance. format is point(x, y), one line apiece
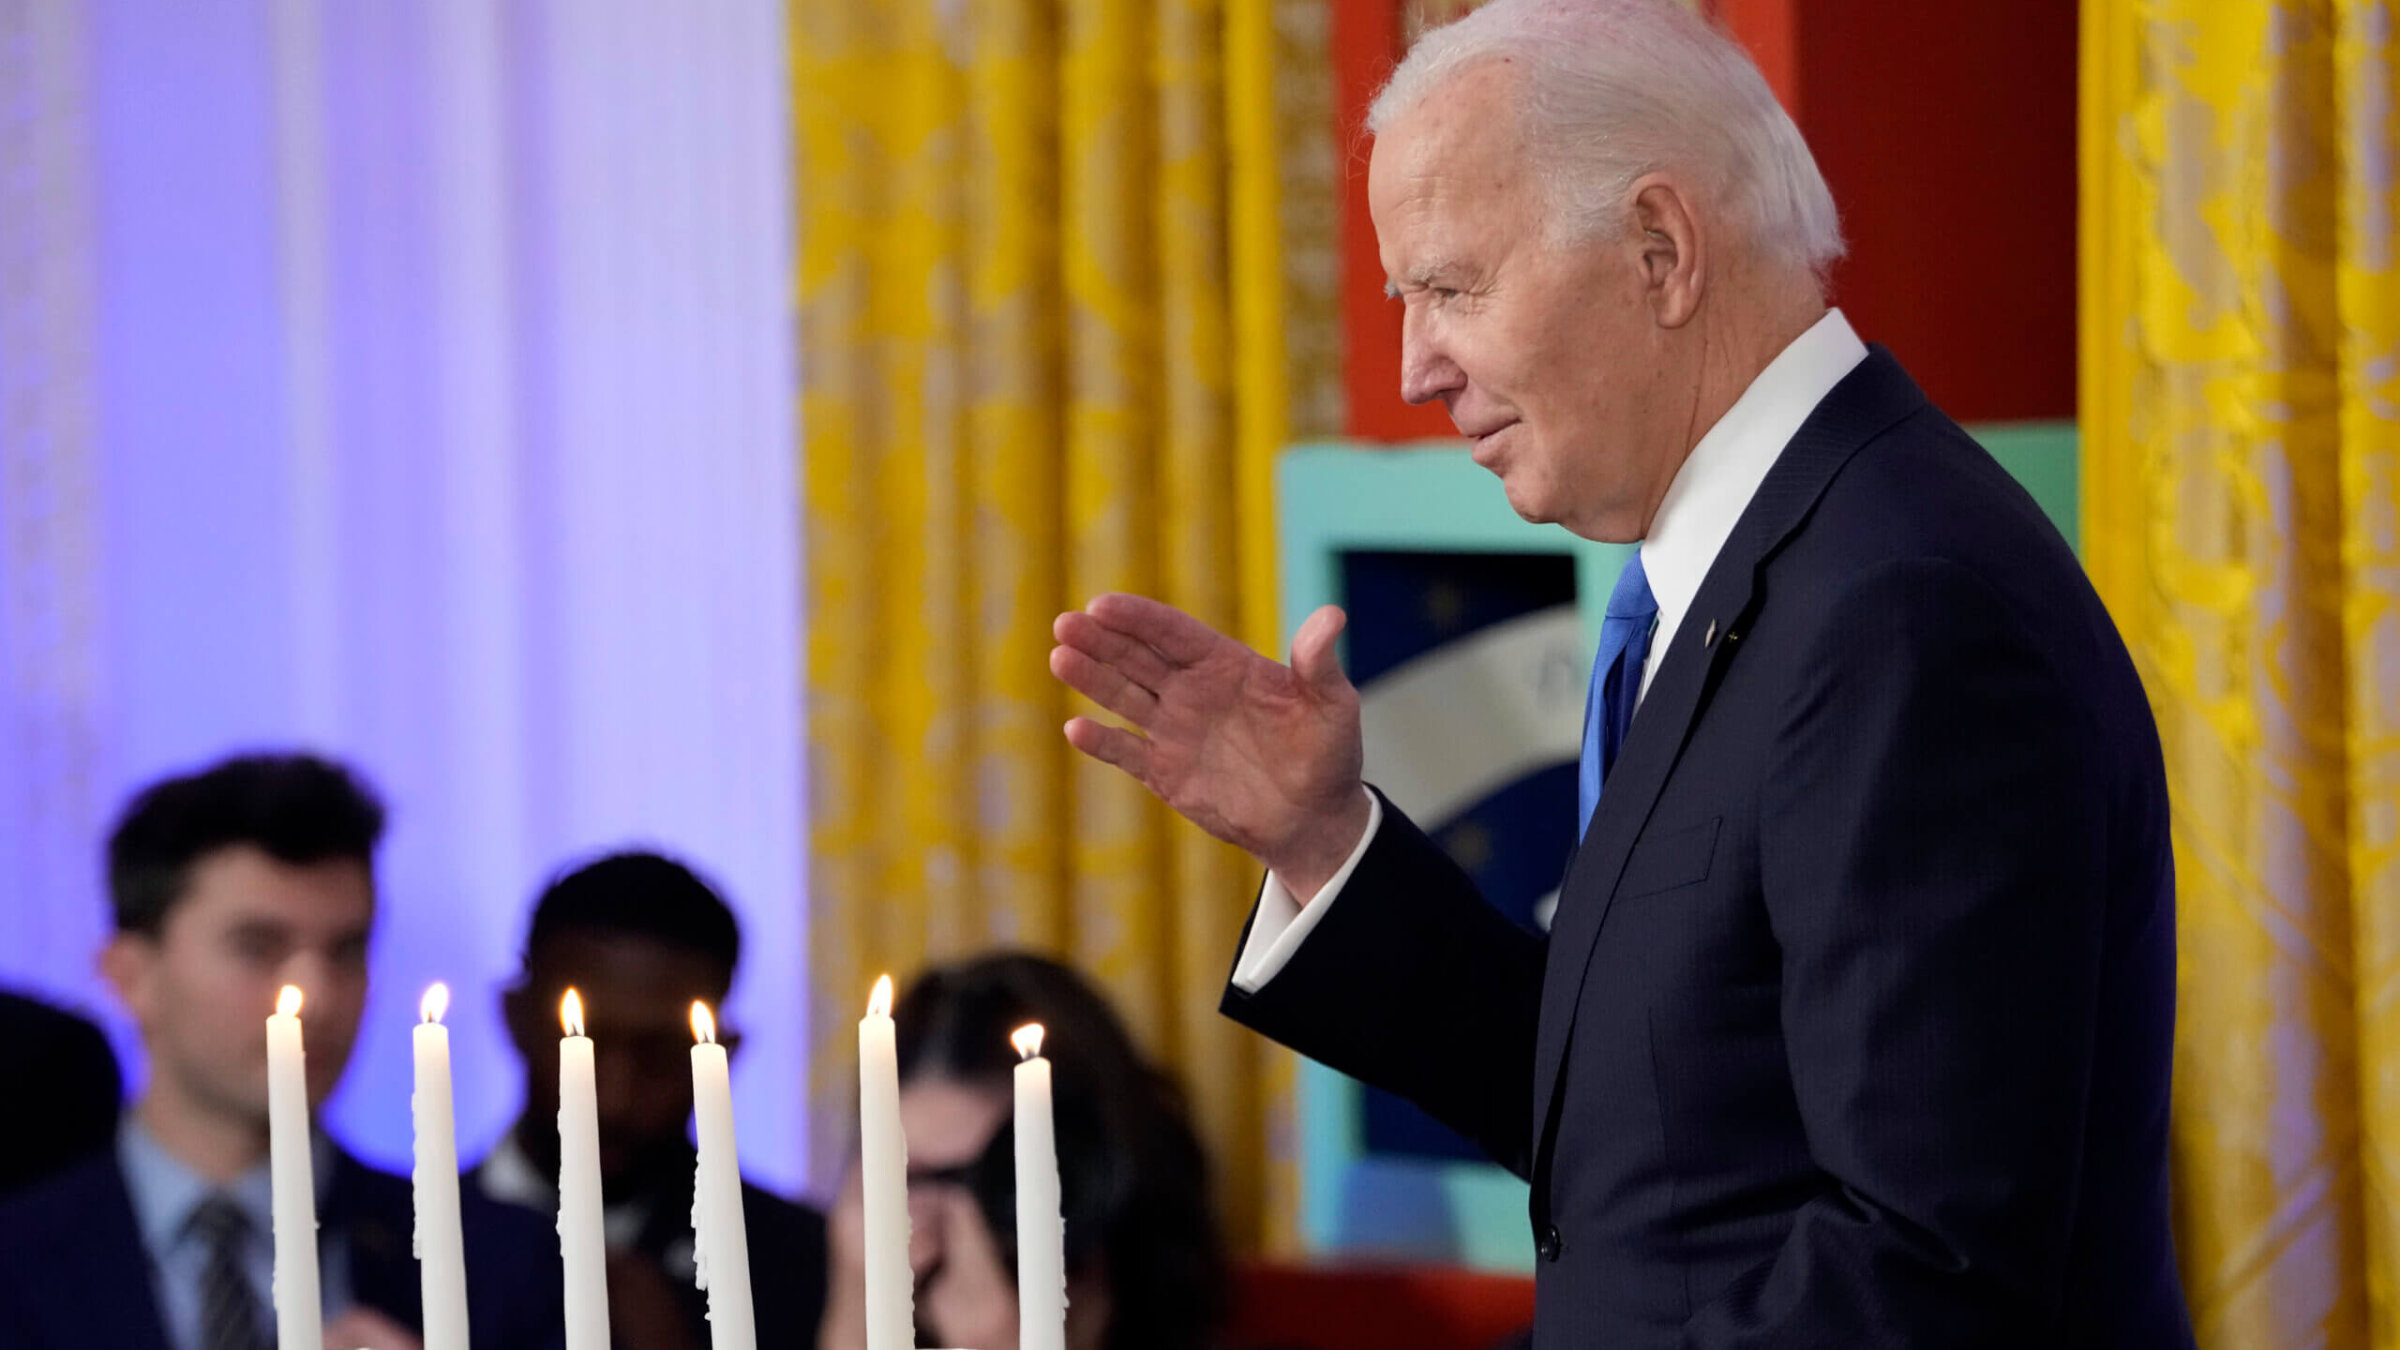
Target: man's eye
point(256, 946)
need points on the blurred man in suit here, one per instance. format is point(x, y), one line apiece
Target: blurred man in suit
point(1854, 1024)
point(641, 937)
point(82, 1090)
point(227, 885)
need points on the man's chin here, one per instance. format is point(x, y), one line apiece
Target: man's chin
point(1527, 503)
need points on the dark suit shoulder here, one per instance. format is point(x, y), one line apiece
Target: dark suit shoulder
point(502, 1221)
point(513, 1282)
point(1924, 488)
point(788, 1220)
point(362, 1192)
point(71, 1196)
point(788, 1264)
point(1925, 492)
point(358, 1183)
point(73, 1271)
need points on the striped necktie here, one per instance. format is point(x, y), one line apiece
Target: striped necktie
point(229, 1313)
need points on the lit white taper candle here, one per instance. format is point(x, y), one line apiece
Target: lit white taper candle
point(720, 1246)
point(883, 1178)
point(1041, 1228)
point(441, 1251)
point(582, 1241)
point(299, 1312)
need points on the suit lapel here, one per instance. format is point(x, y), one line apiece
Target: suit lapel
point(1870, 399)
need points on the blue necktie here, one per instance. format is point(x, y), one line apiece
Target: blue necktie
point(1616, 682)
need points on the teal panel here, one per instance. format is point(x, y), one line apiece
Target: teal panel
point(2041, 455)
point(1334, 498)
point(1337, 498)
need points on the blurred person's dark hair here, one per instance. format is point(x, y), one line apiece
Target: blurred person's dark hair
point(640, 935)
point(1134, 1180)
point(295, 808)
point(82, 1089)
point(638, 894)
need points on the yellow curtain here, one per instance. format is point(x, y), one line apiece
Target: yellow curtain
point(2241, 431)
point(1045, 300)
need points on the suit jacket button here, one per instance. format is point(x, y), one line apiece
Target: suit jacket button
point(1546, 1242)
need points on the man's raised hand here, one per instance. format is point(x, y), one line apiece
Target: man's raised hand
point(1264, 756)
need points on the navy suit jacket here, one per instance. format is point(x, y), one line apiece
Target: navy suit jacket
point(74, 1274)
point(1854, 1025)
point(789, 1260)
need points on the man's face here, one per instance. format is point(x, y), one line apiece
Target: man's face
point(1545, 353)
point(201, 990)
point(637, 1003)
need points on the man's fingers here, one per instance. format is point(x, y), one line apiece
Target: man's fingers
point(1111, 745)
point(1316, 655)
point(1138, 660)
point(1178, 636)
point(1103, 684)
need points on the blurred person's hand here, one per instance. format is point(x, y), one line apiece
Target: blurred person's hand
point(968, 1299)
point(845, 1324)
point(1264, 756)
point(367, 1329)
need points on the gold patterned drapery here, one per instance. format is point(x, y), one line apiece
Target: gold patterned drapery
point(2241, 424)
point(1065, 283)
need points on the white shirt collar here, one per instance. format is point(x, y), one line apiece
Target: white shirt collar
point(510, 1177)
point(1723, 472)
point(165, 1191)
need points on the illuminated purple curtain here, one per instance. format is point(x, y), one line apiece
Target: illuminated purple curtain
point(413, 381)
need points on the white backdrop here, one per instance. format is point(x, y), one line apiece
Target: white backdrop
point(412, 380)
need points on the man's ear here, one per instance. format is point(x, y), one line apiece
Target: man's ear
point(1673, 255)
point(130, 965)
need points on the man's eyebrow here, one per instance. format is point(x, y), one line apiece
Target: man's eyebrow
point(1417, 278)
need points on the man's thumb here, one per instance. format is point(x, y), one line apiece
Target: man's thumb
point(1316, 651)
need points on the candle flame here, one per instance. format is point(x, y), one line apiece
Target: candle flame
point(879, 1003)
point(435, 1003)
point(570, 1013)
point(1027, 1039)
point(704, 1027)
point(287, 1003)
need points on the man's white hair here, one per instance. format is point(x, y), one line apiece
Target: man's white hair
point(1613, 89)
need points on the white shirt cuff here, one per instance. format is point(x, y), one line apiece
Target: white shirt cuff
point(1283, 923)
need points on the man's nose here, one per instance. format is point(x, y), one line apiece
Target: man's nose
point(1426, 370)
point(308, 969)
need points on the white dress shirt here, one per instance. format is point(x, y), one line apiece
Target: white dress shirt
point(510, 1177)
point(165, 1193)
point(1709, 494)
